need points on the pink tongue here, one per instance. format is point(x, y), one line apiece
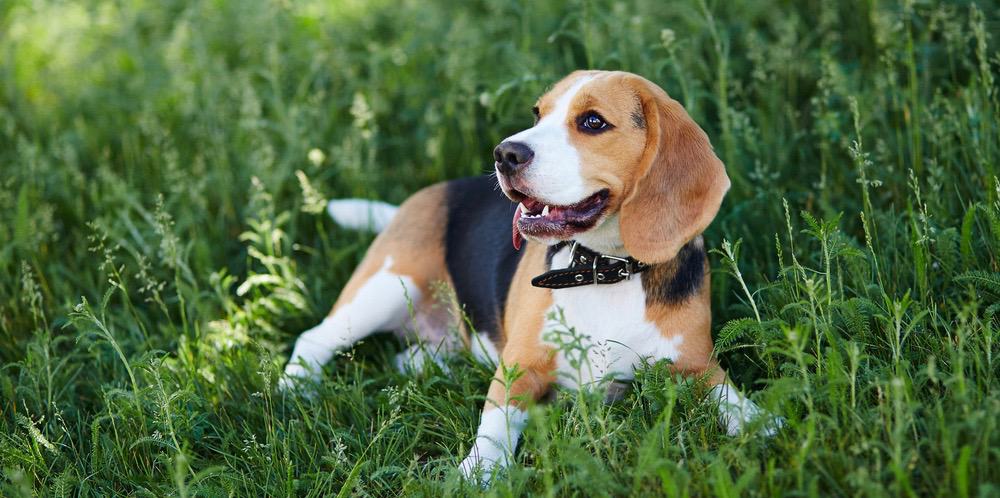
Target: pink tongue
point(517, 238)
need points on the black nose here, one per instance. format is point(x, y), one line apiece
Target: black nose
point(512, 156)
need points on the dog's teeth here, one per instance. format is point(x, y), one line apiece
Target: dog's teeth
point(545, 210)
point(524, 210)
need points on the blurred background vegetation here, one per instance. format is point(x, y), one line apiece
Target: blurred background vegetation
point(163, 167)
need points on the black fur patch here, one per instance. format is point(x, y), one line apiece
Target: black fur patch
point(478, 251)
point(678, 279)
point(638, 119)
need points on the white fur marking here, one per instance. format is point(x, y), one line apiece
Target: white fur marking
point(554, 174)
point(736, 411)
point(605, 238)
point(499, 431)
point(413, 359)
point(483, 349)
point(380, 304)
point(361, 214)
point(613, 337)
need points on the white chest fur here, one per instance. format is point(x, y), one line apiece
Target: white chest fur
point(601, 333)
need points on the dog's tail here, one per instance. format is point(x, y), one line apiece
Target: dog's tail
point(361, 214)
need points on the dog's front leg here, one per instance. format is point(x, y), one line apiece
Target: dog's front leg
point(504, 417)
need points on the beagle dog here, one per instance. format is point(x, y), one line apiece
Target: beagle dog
point(608, 194)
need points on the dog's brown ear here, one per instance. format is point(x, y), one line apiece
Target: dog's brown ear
point(678, 184)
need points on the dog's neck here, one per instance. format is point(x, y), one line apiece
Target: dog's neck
point(605, 238)
point(586, 267)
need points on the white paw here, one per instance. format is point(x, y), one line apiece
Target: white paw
point(736, 412)
point(496, 440)
point(413, 359)
point(772, 426)
point(478, 469)
point(297, 378)
point(735, 416)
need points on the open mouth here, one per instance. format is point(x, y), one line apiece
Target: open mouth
point(534, 218)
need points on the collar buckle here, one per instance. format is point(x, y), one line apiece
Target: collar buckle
point(598, 277)
point(626, 272)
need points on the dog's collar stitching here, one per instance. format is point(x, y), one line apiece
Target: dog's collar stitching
point(586, 268)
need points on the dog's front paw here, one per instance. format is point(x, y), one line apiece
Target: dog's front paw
point(736, 412)
point(287, 384)
point(735, 416)
point(773, 425)
point(412, 359)
point(479, 469)
point(298, 378)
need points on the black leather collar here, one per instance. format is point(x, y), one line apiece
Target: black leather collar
point(590, 267)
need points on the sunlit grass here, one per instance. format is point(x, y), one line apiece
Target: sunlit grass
point(163, 167)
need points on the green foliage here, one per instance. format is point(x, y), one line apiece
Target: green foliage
point(163, 167)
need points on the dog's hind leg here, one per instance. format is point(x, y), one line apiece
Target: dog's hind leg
point(432, 335)
point(379, 302)
point(394, 278)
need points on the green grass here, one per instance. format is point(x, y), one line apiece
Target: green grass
point(161, 243)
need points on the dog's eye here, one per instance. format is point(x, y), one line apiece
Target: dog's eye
point(534, 110)
point(592, 122)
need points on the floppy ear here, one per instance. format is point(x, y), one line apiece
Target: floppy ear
point(678, 184)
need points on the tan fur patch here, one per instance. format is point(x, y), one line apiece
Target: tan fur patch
point(678, 184)
point(608, 159)
point(547, 102)
point(694, 316)
point(522, 347)
point(414, 242)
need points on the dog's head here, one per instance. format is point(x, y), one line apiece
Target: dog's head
point(614, 162)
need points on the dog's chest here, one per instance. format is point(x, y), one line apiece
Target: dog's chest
point(600, 332)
